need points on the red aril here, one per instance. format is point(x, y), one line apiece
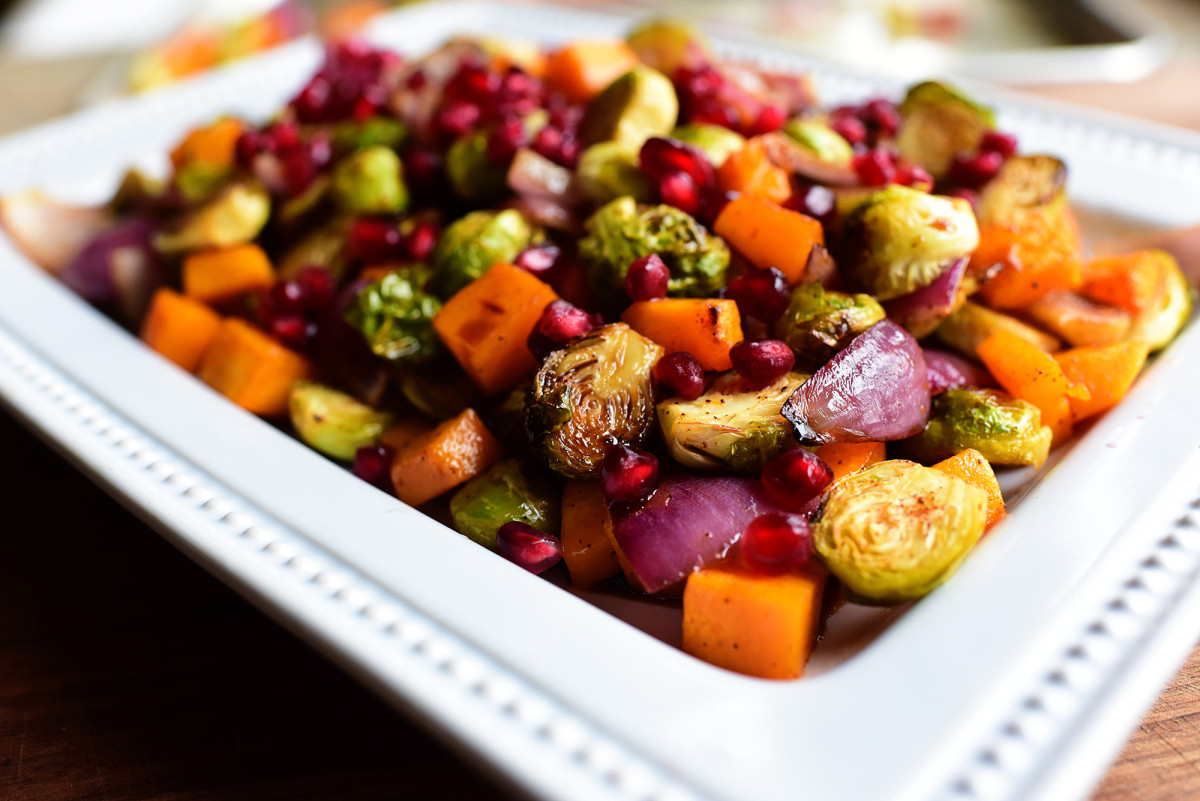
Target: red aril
point(374, 240)
point(875, 167)
point(373, 464)
point(647, 278)
point(999, 142)
point(795, 477)
point(420, 241)
point(777, 543)
point(682, 373)
point(975, 171)
point(679, 190)
point(762, 361)
point(539, 260)
point(522, 544)
point(762, 294)
point(628, 474)
point(562, 321)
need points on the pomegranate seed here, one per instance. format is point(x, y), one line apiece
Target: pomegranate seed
point(313, 101)
point(568, 152)
point(969, 195)
point(777, 543)
point(417, 81)
point(763, 361)
point(548, 142)
point(661, 157)
point(455, 119)
point(680, 191)
point(423, 170)
point(319, 287)
point(373, 240)
point(628, 474)
point(875, 167)
point(716, 115)
point(373, 464)
point(539, 260)
point(523, 545)
point(561, 322)
point(681, 373)
point(881, 117)
point(762, 294)
point(503, 142)
point(249, 144)
point(817, 202)
point(848, 126)
point(770, 118)
point(285, 298)
point(975, 171)
point(421, 240)
point(293, 330)
point(795, 477)
point(915, 176)
point(647, 278)
point(999, 142)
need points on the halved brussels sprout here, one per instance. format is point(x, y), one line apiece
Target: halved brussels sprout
point(717, 141)
point(440, 389)
point(817, 324)
point(819, 139)
point(594, 393)
point(900, 239)
point(609, 170)
point(668, 44)
point(970, 324)
point(396, 317)
point(1004, 429)
point(470, 246)
point(621, 232)
point(1159, 324)
point(896, 530)
point(233, 217)
point(323, 247)
point(638, 105)
point(1024, 182)
point(332, 422)
point(370, 181)
point(509, 490)
point(939, 122)
point(739, 431)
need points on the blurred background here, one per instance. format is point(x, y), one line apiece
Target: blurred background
point(1140, 58)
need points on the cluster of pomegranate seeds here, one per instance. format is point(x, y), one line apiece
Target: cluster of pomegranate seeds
point(777, 543)
point(300, 159)
point(628, 474)
point(423, 173)
point(523, 545)
point(880, 166)
point(647, 278)
point(707, 96)
point(685, 176)
point(558, 140)
point(868, 124)
point(291, 309)
point(974, 171)
point(762, 361)
point(681, 373)
point(795, 477)
point(503, 142)
point(559, 324)
point(762, 294)
point(349, 85)
point(373, 464)
point(375, 240)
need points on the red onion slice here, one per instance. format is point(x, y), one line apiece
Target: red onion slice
point(873, 390)
point(920, 311)
point(950, 371)
point(49, 233)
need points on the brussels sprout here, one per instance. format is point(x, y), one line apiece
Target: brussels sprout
point(440, 389)
point(323, 247)
point(471, 245)
point(817, 324)
point(1024, 182)
point(1158, 325)
point(233, 217)
point(668, 44)
point(473, 175)
point(609, 170)
point(638, 105)
point(370, 181)
point(387, 132)
point(594, 393)
point(819, 139)
point(738, 431)
point(717, 141)
point(198, 181)
point(396, 318)
point(900, 239)
point(509, 490)
point(620, 232)
point(970, 324)
point(332, 422)
point(896, 530)
point(1005, 430)
point(938, 122)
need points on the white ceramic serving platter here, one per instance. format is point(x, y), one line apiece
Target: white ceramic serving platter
point(1018, 679)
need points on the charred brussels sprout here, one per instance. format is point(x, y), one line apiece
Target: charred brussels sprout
point(738, 431)
point(396, 318)
point(717, 141)
point(389, 132)
point(370, 181)
point(1002, 428)
point(323, 247)
point(820, 140)
point(472, 175)
point(620, 232)
point(332, 422)
point(471, 245)
point(668, 44)
point(1024, 182)
point(1158, 325)
point(896, 530)
point(439, 389)
point(589, 396)
point(817, 324)
point(899, 240)
point(638, 105)
point(939, 122)
point(510, 490)
point(609, 170)
point(235, 216)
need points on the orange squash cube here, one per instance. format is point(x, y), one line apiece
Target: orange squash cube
point(219, 274)
point(845, 458)
point(586, 534)
point(251, 369)
point(704, 327)
point(179, 328)
point(769, 235)
point(971, 467)
point(457, 450)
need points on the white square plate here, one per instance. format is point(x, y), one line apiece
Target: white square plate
point(1016, 680)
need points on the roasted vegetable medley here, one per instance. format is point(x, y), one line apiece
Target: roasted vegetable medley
point(626, 306)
